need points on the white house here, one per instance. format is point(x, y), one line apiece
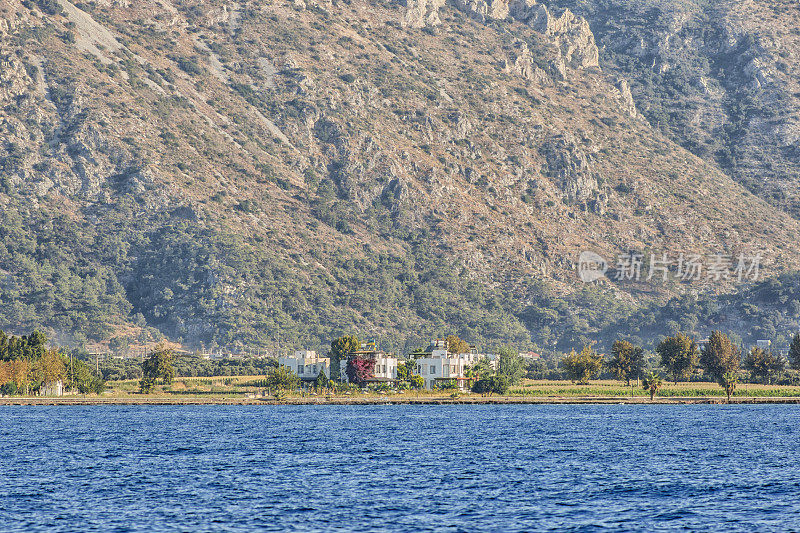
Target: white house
point(385, 364)
point(439, 364)
point(52, 388)
point(307, 364)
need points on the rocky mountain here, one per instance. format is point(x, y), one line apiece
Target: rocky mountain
point(269, 174)
point(719, 78)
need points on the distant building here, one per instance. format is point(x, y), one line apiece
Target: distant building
point(763, 344)
point(385, 369)
point(530, 356)
point(52, 388)
point(438, 364)
point(306, 364)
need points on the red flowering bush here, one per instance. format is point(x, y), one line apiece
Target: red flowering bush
point(359, 369)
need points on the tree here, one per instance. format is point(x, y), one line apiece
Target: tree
point(763, 364)
point(322, 381)
point(21, 374)
point(4, 355)
point(5, 371)
point(456, 345)
point(481, 368)
point(30, 364)
point(281, 378)
point(446, 384)
point(341, 349)
point(82, 377)
point(626, 361)
point(491, 385)
point(536, 369)
point(7, 386)
point(417, 381)
point(29, 347)
point(510, 364)
point(794, 352)
point(651, 382)
point(50, 367)
point(728, 382)
point(37, 341)
point(406, 369)
point(157, 366)
point(719, 357)
point(583, 366)
point(679, 355)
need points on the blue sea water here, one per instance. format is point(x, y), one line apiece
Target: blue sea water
point(400, 468)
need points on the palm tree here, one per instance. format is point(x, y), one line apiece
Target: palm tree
point(651, 382)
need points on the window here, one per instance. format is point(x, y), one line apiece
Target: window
point(300, 369)
point(433, 369)
point(314, 369)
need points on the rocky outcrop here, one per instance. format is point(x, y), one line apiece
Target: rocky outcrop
point(758, 74)
point(522, 9)
point(558, 70)
point(626, 98)
point(422, 13)
point(91, 36)
point(14, 80)
point(568, 165)
point(7, 25)
point(483, 10)
point(787, 133)
point(571, 34)
point(217, 15)
point(522, 64)
point(734, 70)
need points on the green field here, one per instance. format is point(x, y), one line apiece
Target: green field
point(618, 389)
point(248, 386)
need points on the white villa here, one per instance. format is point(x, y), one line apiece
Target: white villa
point(436, 364)
point(439, 364)
point(307, 364)
point(385, 364)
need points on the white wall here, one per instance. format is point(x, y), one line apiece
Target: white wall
point(307, 367)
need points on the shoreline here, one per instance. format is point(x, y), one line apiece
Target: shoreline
point(500, 400)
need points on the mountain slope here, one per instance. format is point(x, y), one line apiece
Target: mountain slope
point(271, 174)
point(720, 78)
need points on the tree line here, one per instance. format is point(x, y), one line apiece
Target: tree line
point(680, 357)
point(28, 365)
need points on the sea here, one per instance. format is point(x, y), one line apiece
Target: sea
point(465, 468)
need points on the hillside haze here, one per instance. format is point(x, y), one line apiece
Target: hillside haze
point(267, 175)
